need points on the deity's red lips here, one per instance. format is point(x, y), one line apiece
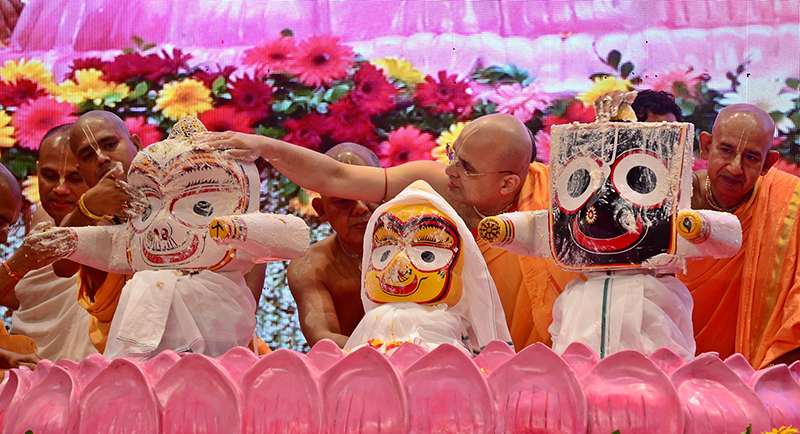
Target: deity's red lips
point(400, 290)
point(172, 258)
point(607, 244)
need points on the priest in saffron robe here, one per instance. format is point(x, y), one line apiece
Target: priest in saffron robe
point(750, 303)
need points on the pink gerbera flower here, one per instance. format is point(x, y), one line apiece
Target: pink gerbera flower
point(521, 102)
point(18, 92)
point(406, 144)
point(372, 93)
point(148, 133)
point(542, 144)
point(320, 60)
point(307, 131)
point(273, 56)
point(445, 96)
point(251, 95)
point(226, 118)
point(34, 118)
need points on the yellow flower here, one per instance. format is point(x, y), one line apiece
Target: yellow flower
point(783, 430)
point(90, 87)
point(7, 139)
point(183, 98)
point(302, 203)
point(446, 137)
point(33, 70)
point(602, 85)
point(399, 69)
point(30, 189)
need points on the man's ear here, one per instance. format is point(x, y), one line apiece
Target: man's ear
point(772, 158)
point(705, 145)
point(137, 142)
point(510, 184)
point(316, 203)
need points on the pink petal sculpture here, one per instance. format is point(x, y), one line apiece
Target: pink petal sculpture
point(280, 393)
point(411, 391)
point(119, 400)
point(715, 400)
point(626, 388)
point(536, 391)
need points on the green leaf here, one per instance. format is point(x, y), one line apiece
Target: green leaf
point(290, 188)
point(615, 432)
point(287, 32)
point(794, 83)
point(274, 132)
point(749, 429)
point(679, 89)
point(139, 91)
point(219, 85)
point(127, 50)
point(281, 106)
point(626, 69)
point(614, 58)
point(137, 40)
point(146, 47)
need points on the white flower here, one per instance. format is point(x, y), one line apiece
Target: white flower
point(765, 93)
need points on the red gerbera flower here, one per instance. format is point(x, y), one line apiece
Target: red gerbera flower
point(208, 77)
point(35, 118)
point(251, 95)
point(446, 96)
point(151, 67)
point(95, 63)
point(349, 124)
point(320, 60)
point(406, 144)
point(148, 133)
point(372, 93)
point(576, 111)
point(226, 118)
point(307, 131)
point(272, 56)
point(22, 90)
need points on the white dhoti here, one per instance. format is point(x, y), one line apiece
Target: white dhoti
point(49, 314)
point(208, 313)
point(394, 323)
point(624, 311)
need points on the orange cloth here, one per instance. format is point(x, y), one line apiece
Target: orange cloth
point(105, 303)
point(750, 303)
point(102, 307)
point(17, 344)
point(528, 287)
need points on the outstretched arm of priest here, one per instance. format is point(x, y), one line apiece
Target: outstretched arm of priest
point(322, 174)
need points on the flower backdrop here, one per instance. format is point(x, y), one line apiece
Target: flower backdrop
point(318, 92)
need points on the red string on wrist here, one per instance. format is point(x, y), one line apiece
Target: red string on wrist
point(385, 185)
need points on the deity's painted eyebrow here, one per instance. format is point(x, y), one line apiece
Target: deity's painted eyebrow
point(205, 177)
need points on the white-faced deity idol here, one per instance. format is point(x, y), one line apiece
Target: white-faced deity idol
point(187, 252)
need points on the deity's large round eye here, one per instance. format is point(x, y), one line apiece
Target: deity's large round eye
point(428, 258)
point(153, 207)
point(199, 209)
point(381, 256)
point(203, 208)
point(576, 183)
point(641, 178)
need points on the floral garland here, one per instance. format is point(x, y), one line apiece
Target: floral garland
point(317, 92)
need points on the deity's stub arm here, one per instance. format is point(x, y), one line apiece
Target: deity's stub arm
point(702, 234)
point(101, 247)
point(264, 236)
point(708, 234)
point(524, 233)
